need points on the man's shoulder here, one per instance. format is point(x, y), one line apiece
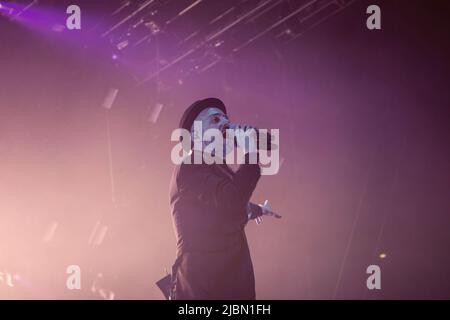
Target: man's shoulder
point(188, 169)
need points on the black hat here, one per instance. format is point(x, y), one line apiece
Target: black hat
point(188, 117)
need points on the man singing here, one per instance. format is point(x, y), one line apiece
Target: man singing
point(210, 208)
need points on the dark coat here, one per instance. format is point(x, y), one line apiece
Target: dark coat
point(210, 205)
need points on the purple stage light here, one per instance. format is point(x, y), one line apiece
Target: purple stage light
point(6, 10)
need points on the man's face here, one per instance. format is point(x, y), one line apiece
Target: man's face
point(212, 118)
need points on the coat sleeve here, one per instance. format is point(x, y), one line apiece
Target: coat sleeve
point(219, 190)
